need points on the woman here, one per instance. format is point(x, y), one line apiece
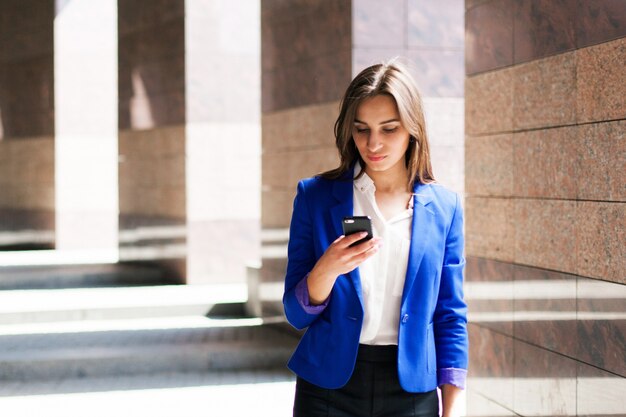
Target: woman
point(385, 319)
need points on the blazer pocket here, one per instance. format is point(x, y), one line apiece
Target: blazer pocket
point(431, 352)
point(315, 342)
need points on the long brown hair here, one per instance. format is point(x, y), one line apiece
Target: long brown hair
point(392, 79)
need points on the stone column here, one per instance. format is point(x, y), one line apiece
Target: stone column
point(85, 38)
point(152, 115)
point(189, 136)
point(223, 138)
point(546, 206)
point(27, 190)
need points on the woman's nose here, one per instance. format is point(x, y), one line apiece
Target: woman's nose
point(373, 142)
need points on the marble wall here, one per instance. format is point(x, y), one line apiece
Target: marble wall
point(27, 119)
point(546, 206)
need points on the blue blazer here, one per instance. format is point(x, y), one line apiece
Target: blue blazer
point(432, 332)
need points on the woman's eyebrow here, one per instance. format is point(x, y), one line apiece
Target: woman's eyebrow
point(381, 123)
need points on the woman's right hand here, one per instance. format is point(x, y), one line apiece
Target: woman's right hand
point(339, 259)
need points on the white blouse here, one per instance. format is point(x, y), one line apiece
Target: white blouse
point(382, 275)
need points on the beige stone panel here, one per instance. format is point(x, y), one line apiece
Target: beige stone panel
point(171, 202)
point(545, 234)
point(147, 201)
point(126, 199)
point(545, 163)
point(170, 141)
point(27, 173)
point(602, 161)
point(489, 102)
point(276, 207)
point(490, 228)
point(601, 240)
point(307, 126)
point(545, 92)
point(152, 172)
point(601, 90)
point(310, 162)
point(283, 170)
point(488, 165)
point(275, 169)
point(169, 171)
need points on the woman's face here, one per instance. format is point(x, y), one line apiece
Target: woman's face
point(379, 135)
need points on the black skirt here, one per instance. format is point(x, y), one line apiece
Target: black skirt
point(373, 390)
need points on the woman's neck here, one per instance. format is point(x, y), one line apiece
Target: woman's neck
point(394, 179)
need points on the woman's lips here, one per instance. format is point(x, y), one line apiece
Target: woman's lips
point(375, 158)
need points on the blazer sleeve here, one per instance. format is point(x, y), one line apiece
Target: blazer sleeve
point(450, 318)
point(301, 259)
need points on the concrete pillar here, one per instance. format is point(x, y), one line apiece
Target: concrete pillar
point(223, 138)
point(151, 88)
point(189, 136)
point(27, 167)
point(546, 206)
point(85, 54)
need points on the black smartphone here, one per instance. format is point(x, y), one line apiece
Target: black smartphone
point(356, 224)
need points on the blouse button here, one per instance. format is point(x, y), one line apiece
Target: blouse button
point(405, 318)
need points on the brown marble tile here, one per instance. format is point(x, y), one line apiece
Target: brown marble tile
point(488, 162)
point(165, 40)
point(276, 207)
point(601, 91)
point(434, 24)
point(439, 73)
point(29, 97)
point(545, 382)
point(599, 21)
point(599, 393)
point(473, 3)
point(141, 14)
point(489, 103)
point(157, 77)
point(302, 31)
point(490, 228)
point(543, 28)
point(545, 309)
point(545, 233)
point(309, 53)
point(320, 80)
point(491, 364)
point(26, 45)
point(601, 325)
point(600, 237)
point(602, 152)
point(378, 25)
point(544, 92)
point(489, 36)
point(26, 16)
point(489, 293)
point(544, 163)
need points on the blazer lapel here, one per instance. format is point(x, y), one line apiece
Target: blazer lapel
point(423, 218)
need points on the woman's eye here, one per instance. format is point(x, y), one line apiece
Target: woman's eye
point(390, 130)
point(361, 130)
